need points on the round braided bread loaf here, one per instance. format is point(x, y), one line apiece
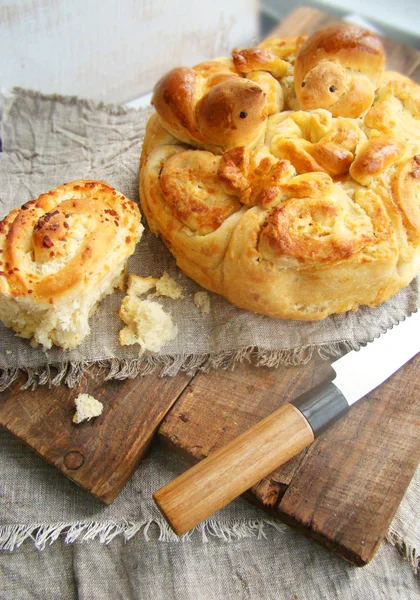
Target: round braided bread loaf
point(287, 178)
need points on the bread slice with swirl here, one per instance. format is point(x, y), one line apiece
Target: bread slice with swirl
point(60, 255)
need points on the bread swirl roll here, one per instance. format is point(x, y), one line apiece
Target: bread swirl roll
point(60, 255)
point(339, 68)
point(318, 215)
point(211, 106)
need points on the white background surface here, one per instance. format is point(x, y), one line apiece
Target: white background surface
point(114, 50)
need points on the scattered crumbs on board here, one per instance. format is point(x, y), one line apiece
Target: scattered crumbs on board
point(87, 407)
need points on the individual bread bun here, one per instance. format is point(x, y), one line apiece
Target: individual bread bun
point(339, 68)
point(211, 106)
point(317, 215)
point(60, 255)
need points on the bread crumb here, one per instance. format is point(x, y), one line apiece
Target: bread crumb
point(166, 286)
point(202, 302)
point(147, 324)
point(87, 407)
point(140, 285)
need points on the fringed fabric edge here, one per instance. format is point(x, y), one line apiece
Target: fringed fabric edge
point(157, 529)
point(71, 373)
point(411, 554)
point(13, 536)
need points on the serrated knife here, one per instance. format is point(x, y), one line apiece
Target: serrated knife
point(237, 466)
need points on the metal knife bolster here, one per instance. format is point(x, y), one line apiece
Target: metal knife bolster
point(321, 406)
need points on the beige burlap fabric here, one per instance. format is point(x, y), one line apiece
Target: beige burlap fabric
point(51, 140)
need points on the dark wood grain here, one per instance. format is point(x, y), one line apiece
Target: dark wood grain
point(204, 410)
point(358, 471)
point(102, 454)
point(345, 489)
point(217, 407)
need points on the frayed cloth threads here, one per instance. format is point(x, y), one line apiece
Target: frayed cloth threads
point(157, 529)
point(411, 554)
point(71, 373)
point(13, 536)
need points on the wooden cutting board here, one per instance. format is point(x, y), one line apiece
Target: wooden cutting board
point(343, 492)
point(345, 489)
point(102, 454)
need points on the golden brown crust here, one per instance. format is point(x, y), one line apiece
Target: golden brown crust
point(211, 105)
point(193, 192)
point(339, 68)
point(318, 216)
point(247, 174)
point(259, 59)
point(224, 103)
point(406, 189)
point(42, 230)
point(322, 228)
point(374, 157)
point(61, 247)
point(221, 112)
point(396, 109)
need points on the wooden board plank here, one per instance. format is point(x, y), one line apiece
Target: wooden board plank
point(102, 454)
point(358, 471)
point(344, 491)
point(218, 406)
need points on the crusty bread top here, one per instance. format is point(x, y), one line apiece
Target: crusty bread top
point(65, 241)
point(313, 210)
point(211, 105)
point(339, 68)
point(224, 103)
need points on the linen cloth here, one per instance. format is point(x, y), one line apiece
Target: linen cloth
point(242, 556)
point(48, 140)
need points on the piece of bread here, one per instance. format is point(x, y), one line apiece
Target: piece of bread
point(60, 255)
point(137, 286)
point(339, 68)
point(87, 407)
point(202, 302)
point(164, 286)
point(310, 206)
point(147, 324)
point(211, 106)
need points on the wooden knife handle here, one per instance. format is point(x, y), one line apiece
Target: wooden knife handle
point(234, 468)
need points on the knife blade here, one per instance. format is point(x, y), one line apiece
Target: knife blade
point(237, 466)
